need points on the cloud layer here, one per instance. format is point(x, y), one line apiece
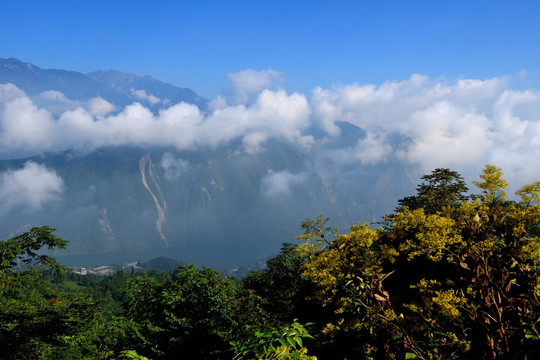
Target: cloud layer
point(29, 187)
point(282, 183)
point(423, 122)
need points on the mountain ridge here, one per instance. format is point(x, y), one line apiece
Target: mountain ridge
point(78, 86)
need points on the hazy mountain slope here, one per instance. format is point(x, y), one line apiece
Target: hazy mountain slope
point(217, 209)
point(128, 84)
point(114, 86)
point(74, 85)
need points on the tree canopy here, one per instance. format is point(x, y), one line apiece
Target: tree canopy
point(442, 188)
point(437, 284)
point(448, 276)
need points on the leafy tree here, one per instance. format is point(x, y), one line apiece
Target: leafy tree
point(189, 317)
point(284, 342)
point(348, 273)
point(282, 286)
point(436, 285)
point(442, 189)
point(23, 249)
point(492, 185)
point(37, 322)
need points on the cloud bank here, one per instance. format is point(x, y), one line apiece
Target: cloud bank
point(423, 122)
point(282, 183)
point(248, 82)
point(29, 187)
point(142, 96)
point(173, 167)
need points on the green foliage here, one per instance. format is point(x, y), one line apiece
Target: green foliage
point(282, 286)
point(529, 193)
point(131, 354)
point(492, 184)
point(442, 189)
point(190, 316)
point(38, 322)
point(317, 232)
point(460, 281)
point(24, 248)
point(285, 342)
point(349, 276)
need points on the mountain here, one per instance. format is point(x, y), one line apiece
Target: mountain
point(215, 204)
point(34, 80)
point(204, 207)
point(116, 87)
point(129, 84)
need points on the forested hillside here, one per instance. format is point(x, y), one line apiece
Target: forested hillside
point(447, 275)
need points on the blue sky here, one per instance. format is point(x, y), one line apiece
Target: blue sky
point(312, 43)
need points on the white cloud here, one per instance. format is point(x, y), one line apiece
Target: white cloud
point(372, 149)
point(253, 142)
point(282, 183)
point(447, 136)
point(29, 187)
point(141, 95)
point(99, 106)
point(274, 113)
point(53, 95)
point(217, 103)
point(247, 82)
point(173, 167)
point(460, 124)
point(55, 102)
point(25, 126)
point(9, 92)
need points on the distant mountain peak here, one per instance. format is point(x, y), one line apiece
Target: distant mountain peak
point(125, 83)
point(13, 63)
point(112, 85)
point(112, 77)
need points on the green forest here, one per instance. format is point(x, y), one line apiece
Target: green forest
point(447, 275)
